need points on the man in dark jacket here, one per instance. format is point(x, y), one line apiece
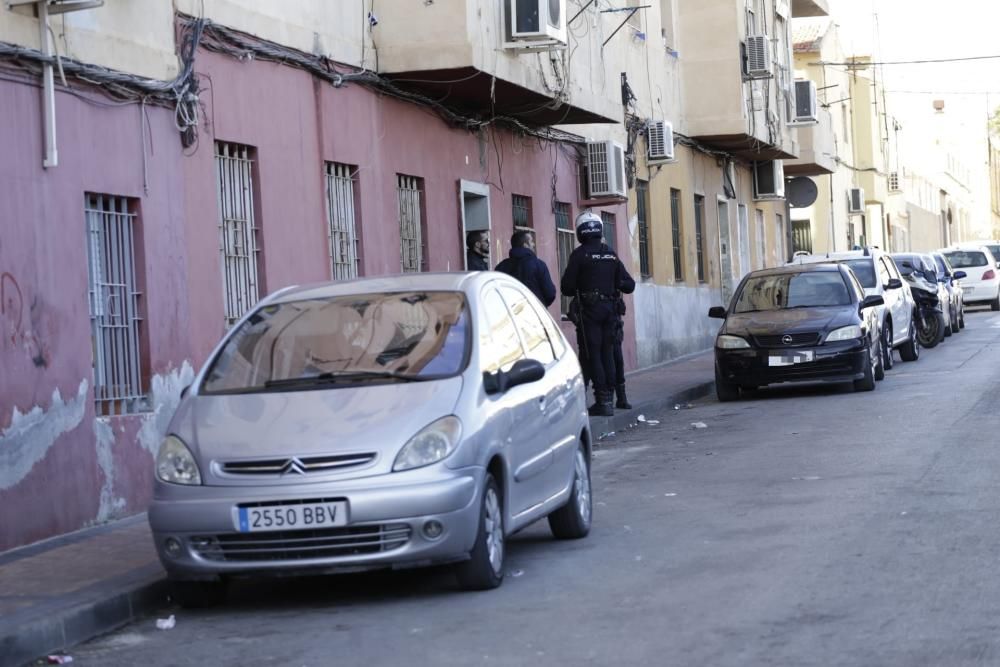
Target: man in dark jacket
point(524, 265)
point(477, 255)
point(595, 276)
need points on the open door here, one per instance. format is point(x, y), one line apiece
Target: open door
point(474, 203)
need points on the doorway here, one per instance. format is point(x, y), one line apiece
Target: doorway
point(474, 204)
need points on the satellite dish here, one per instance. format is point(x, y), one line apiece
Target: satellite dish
point(801, 191)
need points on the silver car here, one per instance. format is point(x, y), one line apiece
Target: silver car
point(386, 422)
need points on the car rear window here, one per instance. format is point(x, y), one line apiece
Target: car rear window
point(814, 289)
point(964, 259)
point(864, 269)
point(386, 337)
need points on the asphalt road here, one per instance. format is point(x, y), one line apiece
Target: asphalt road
point(812, 526)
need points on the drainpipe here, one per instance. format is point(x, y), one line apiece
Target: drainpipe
point(51, 158)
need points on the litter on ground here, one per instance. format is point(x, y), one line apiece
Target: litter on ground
point(166, 623)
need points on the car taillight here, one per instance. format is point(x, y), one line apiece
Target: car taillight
point(989, 275)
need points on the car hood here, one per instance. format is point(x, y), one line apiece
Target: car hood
point(376, 419)
point(796, 320)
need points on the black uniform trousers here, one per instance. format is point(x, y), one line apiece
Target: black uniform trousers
point(598, 325)
point(618, 354)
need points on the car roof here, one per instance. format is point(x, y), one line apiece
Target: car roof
point(797, 268)
point(455, 281)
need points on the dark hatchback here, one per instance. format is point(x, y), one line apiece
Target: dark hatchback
point(801, 323)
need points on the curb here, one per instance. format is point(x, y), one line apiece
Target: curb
point(604, 427)
point(96, 613)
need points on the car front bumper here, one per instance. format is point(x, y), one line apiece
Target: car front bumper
point(385, 528)
point(832, 362)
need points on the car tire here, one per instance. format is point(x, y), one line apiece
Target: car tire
point(995, 304)
point(955, 327)
point(572, 520)
point(961, 317)
point(887, 360)
point(880, 364)
point(484, 569)
point(867, 383)
point(198, 594)
point(910, 350)
point(725, 390)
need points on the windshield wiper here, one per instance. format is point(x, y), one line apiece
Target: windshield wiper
point(343, 376)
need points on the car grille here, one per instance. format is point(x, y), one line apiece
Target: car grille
point(797, 340)
point(302, 544)
point(302, 465)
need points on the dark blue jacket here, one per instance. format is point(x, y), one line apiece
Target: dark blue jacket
point(526, 267)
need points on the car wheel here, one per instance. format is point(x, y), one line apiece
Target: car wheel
point(995, 304)
point(724, 389)
point(887, 360)
point(879, 363)
point(955, 326)
point(867, 383)
point(484, 569)
point(198, 594)
point(572, 520)
point(961, 317)
point(910, 350)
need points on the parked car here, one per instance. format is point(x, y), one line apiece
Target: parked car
point(384, 422)
point(981, 286)
point(922, 265)
point(880, 276)
point(800, 323)
point(994, 248)
point(951, 278)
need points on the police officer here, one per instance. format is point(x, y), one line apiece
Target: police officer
point(594, 276)
point(477, 253)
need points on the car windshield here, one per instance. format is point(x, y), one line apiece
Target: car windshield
point(942, 266)
point(387, 337)
point(964, 259)
point(864, 269)
point(783, 291)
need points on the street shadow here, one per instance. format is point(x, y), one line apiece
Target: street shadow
point(798, 390)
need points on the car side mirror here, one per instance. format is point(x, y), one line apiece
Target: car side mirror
point(907, 264)
point(958, 275)
point(523, 371)
point(894, 283)
point(872, 300)
point(717, 312)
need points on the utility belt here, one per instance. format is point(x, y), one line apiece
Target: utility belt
point(593, 297)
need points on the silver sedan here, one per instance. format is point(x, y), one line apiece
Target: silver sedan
point(385, 422)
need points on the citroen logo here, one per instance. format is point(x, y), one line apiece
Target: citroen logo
point(786, 339)
point(293, 466)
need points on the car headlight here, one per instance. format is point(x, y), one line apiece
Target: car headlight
point(844, 333)
point(175, 463)
point(434, 443)
point(726, 342)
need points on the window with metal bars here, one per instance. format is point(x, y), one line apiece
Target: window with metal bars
point(411, 226)
point(114, 293)
point(642, 215)
point(699, 234)
point(610, 233)
point(675, 234)
point(340, 208)
point(802, 236)
point(521, 212)
point(566, 241)
point(238, 248)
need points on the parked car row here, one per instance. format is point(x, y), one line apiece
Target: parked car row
point(840, 317)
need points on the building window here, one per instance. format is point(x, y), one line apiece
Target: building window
point(675, 234)
point(411, 231)
point(699, 240)
point(237, 228)
point(114, 293)
point(343, 240)
point(610, 233)
point(761, 240)
point(565, 242)
point(521, 212)
point(642, 213)
point(802, 236)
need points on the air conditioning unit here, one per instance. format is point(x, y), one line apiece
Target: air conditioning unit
point(769, 180)
point(660, 140)
point(605, 169)
point(534, 22)
point(856, 200)
point(895, 183)
point(759, 65)
point(805, 103)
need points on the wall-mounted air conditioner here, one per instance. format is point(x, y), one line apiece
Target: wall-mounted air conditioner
point(895, 183)
point(769, 180)
point(805, 103)
point(535, 22)
point(759, 64)
point(856, 200)
point(660, 140)
point(605, 170)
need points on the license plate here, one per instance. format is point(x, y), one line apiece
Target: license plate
point(790, 359)
point(290, 517)
point(967, 290)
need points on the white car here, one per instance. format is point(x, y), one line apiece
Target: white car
point(981, 285)
point(879, 276)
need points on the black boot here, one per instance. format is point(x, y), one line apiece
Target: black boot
point(622, 403)
point(602, 406)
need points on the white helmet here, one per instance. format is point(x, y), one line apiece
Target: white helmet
point(589, 226)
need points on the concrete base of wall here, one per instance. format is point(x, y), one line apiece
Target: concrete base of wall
point(671, 322)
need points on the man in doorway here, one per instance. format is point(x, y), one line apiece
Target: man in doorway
point(524, 265)
point(477, 255)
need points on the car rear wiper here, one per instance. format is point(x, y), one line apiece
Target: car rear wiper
point(343, 376)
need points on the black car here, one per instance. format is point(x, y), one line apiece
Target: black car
point(800, 323)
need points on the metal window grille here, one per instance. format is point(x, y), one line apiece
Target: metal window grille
point(566, 241)
point(521, 212)
point(802, 236)
point(675, 234)
point(642, 214)
point(114, 305)
point(610, 233)
point(237, 229)
point(699, 240)
point(410, 224)
point(341, 216)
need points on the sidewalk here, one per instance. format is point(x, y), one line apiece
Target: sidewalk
point(67, 590)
